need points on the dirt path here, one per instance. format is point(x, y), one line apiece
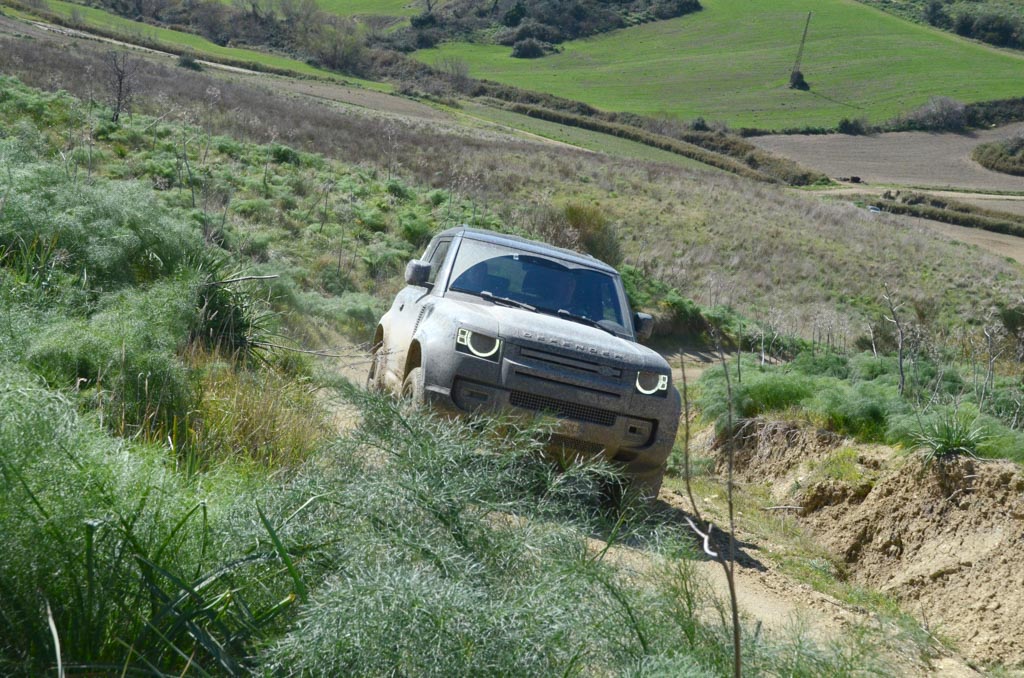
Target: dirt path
point(782, 605)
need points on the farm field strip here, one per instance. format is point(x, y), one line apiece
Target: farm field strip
point(997, 243)
point(578, 137)
point(859, 61)
point(900, 158)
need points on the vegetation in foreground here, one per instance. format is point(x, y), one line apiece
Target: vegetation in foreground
point(148, 527)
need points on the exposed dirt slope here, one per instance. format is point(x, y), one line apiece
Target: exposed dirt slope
point(946, 540)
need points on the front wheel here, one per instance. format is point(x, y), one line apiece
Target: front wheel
point(414, 388)
point(649, 484)
point(375, 378)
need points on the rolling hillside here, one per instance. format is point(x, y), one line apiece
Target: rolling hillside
point(168, 280)
point(859, 62)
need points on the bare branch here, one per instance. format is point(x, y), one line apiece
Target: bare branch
point(214, 283)
point(706, 536)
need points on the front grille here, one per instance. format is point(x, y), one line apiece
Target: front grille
point(573, 363)
point(562, 408)
point(573, 445)
point(563, 384)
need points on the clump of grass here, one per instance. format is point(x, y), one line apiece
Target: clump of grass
point(760, 391)
point(121, 361)
point(948, 435)
point(269, 418)
point(841, 465)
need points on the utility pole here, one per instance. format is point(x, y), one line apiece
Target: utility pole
point(796, 77)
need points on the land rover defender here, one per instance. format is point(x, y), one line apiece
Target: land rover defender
point(496, 322)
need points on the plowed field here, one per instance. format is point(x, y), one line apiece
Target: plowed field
point(900, 158)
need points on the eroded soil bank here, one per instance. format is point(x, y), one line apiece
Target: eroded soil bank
point(946, 539)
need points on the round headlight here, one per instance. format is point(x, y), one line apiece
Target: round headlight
point(650, 383)
point(480, 345)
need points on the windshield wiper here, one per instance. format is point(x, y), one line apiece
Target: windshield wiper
point(507, 301)
point(583, 320)
point(494, 299)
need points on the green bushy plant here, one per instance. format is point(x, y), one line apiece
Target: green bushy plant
point(762, 390)
point(122, 359)
point(949, 434)
point(415, 229)
point(107, 233)
point(862, 409)
point(824, 364)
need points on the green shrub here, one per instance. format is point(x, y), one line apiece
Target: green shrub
point(438, 197)
point(371, 218)
point(822, 364)
point(761, 391)
point(122, 360)
point(398, 189)
point(189, 61)
point(285, 155)
point(949, 434)
point(384, 257)
point(1002, 156)
point(855, 126)
point(415, 229)
point(528, 48)
point(108, 233)
point(861, 410)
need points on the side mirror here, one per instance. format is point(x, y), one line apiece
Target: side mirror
point(643, 323)
point(417, 272)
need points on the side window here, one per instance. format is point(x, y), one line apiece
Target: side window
point(437, 258)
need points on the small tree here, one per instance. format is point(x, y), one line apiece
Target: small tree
point(935, 14)
point(528, 49)
point(456, 71)
point(121, 70)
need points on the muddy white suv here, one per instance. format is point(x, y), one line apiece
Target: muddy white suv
point(496, 322)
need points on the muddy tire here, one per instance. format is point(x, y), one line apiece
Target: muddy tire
point(649, 484)
point(413, 388)
point(375, 377)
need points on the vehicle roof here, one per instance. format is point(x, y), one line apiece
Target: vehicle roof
point(529, 246)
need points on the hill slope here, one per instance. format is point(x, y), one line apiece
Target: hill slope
point(859, 62)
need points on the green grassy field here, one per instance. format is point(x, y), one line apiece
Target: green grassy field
point(575, 136)
point(203, 48)
point(731, 62)
point(380, 7)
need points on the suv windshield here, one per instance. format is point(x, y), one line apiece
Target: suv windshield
point(555, 286)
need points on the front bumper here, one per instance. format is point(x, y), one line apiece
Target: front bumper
point(595, 411)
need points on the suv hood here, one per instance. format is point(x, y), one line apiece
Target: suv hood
point(522, 327)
